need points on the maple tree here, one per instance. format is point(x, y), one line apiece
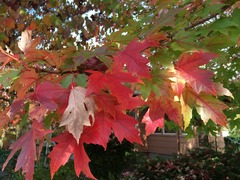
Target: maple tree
point(162, 55)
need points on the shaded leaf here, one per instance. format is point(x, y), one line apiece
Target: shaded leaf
point(24, 82)
point(49, 95)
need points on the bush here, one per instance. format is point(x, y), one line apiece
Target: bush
point(232, 144)
point(196, 164)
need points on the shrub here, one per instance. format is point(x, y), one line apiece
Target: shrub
point(200, 163)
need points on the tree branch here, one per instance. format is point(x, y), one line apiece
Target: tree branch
point(202, 21)
point(52, 71)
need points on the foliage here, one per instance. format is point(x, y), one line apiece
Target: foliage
point(103, 164)
point(200, 163)
point(169, 56)
point(232, 144)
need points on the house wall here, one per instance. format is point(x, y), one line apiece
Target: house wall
point(167, 144)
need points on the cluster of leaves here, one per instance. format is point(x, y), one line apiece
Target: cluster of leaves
point(103, 164)
point(159, 50)
point(200, 163)
point(64, 23)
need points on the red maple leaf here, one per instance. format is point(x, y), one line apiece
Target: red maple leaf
point(50, 95)
point(28, 149)
point(105, 102)
point(152, 125)
point(132, 57)
point(188, 70)
point(67, 145)
point(124, 127)
point(113, 82)
point(110, 116)
point(100, 131)
point(158, 107)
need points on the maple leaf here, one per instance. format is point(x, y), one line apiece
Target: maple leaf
point(100, 131)
point(152, 125)
point(98, 82)
point(78, 112)
point(110, 116)
point(207, 106)
point(132, 57)
point(24, 82)
point(105, 102)
point(158, 107)
point(67, 145)
point(26, 43)
point(124, 127)
point(50, 95)
point(28, 149)
point(188, 70)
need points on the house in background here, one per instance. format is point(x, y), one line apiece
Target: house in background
point(167, 142)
